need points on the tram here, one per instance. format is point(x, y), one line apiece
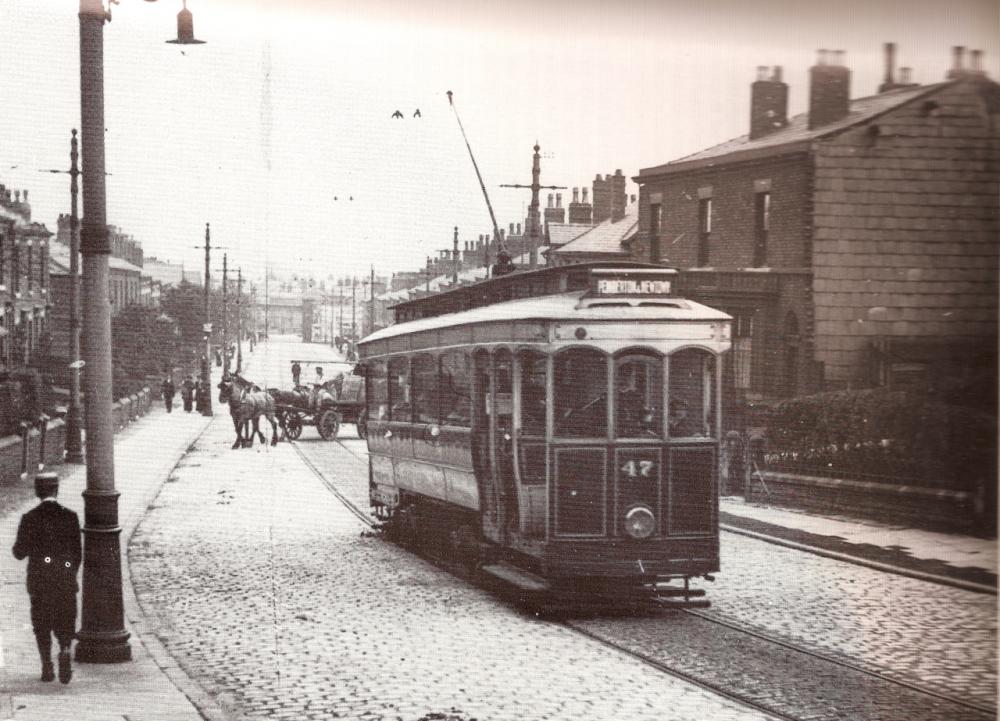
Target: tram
point(557, 429)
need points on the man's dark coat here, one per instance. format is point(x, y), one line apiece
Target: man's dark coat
point(49, 535)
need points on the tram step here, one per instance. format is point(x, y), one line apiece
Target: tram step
point(691, 592)
point(525, 580)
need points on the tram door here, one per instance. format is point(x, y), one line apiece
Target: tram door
point(483, 448)
point(503, 433)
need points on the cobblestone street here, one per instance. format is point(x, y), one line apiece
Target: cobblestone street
point(269, 593)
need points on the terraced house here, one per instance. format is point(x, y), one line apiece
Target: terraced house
point(856, 244)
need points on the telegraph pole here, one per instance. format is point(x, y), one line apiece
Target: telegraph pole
point(225, 315)
point(534, 219)
point(239, 319)
point(354, 326)
point(74, 414)
point(267, 310)
point(371, 314)
point(454, 258)
point(206, 362)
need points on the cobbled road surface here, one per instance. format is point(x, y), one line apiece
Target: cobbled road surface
point(272, 595)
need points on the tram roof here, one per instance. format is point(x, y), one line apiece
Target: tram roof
point(556, 307)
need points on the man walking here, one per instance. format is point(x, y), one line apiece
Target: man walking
point(296, 373)
point(49, 536)
point(168, 391)
point(187, 393)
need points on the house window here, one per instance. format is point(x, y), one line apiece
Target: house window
point(742, 356)
point(654, 233)
point(762, 224)
point(704, 229)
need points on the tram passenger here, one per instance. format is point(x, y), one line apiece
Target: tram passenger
point(296, 373)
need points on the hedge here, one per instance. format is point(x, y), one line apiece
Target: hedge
point(883, 435)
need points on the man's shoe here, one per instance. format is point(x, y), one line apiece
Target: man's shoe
point(65, 667)
point(48, 673)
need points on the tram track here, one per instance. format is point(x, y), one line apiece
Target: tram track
point(703, 649)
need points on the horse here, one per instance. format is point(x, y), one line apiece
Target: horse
point(247, 402)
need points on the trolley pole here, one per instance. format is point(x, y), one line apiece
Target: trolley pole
point(206, 362)
point(239, 320)
point(225, 315)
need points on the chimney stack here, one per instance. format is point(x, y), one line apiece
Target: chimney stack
point(768, 102)
point(829, 89)
point(889, 82)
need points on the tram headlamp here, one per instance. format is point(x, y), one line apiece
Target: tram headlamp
point(640, 522)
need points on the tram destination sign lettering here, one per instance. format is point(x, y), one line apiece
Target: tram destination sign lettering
point(632, 281)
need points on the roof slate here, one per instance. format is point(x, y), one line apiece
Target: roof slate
point(605, 237)
point(797, 130)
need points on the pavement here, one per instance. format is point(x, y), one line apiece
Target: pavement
point(152, 455)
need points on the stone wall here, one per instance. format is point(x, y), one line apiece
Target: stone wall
point(123, 412)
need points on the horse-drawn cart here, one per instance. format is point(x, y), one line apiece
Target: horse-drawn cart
point(326, 405)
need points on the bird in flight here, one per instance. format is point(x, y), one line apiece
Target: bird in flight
point(416, 113)
point(397, 114)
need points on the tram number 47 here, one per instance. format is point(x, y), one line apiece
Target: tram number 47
point(636, 469)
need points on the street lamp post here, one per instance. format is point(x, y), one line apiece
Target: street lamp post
point(239, 320)
point(102, 636)
point(74, 416)
point(225, 314)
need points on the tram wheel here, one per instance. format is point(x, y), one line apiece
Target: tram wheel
point(293, 427)
point(328, 425)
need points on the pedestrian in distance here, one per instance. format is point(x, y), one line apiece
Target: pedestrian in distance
point(168, 391)
point(49, 537)
point(187, 393)
point(296, 373)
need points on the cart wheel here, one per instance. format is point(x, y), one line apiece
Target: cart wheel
point(328, 425)
point(293, 427)
point(363, 424)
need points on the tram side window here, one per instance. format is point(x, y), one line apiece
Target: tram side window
point(638, 396)
point(692, 393)
point(399, 390)
point(581, 389)
point(378, 391)
point(532, 392)
point(456, 389)
point(425, 388)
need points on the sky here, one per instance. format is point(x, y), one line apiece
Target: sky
point(278, 131)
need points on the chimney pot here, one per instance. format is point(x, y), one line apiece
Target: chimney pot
point(551, 201)
point(576, 195)
point(776, 74)
point(501, 232)
point(829, 90)
point(838, 58)
point(975, 64)
point(762, 72)
point(558, 200)
point(768, 102)
point(890, 63)
point(904, 75)
point(821, 56)
point(518, 229)
point(958, 57)
point(973, 54)
point(584, 194)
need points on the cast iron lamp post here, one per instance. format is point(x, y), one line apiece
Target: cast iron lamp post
point(102, 636)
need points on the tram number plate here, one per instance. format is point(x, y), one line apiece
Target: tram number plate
point(639, 468)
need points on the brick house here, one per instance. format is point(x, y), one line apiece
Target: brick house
point(24, 280)
point(855, 244)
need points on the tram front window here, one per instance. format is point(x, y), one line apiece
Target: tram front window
point(638, 396)
point(400, 408)
point(692, 400)
point(581, 393)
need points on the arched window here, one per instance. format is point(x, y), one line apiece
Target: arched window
point(533, 405)
point(400, 408)
point(692, 394)
point(581, 380)
point(638, 395)
point(377, 395)
point(424, 375)
point(456, 388)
